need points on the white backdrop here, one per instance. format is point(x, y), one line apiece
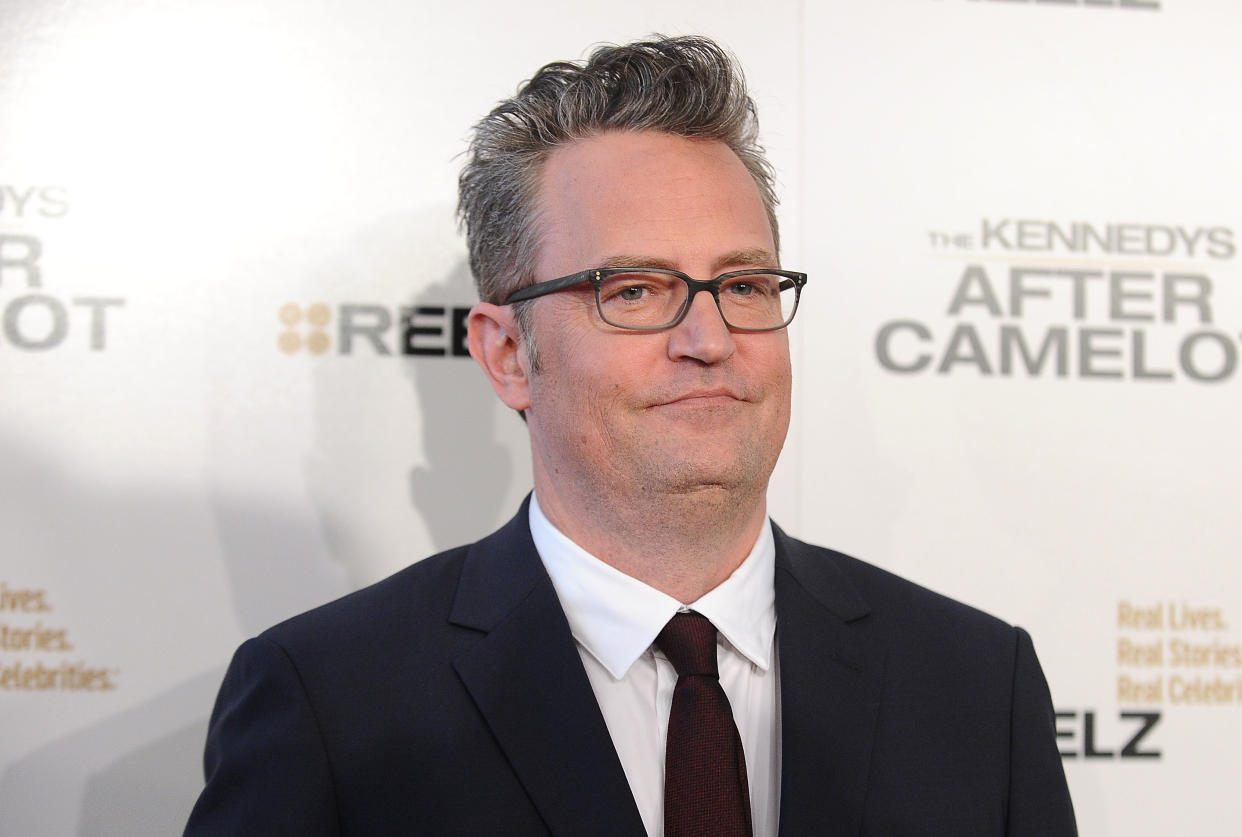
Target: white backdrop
point(233, 388)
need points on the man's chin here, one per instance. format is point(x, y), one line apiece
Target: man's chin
point(725, 472)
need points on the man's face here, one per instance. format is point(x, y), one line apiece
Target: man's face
point(616, 413)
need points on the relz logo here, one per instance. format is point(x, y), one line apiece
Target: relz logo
point(36, 321)
point(418, 330)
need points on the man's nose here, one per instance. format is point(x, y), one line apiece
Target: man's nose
point(702, 335)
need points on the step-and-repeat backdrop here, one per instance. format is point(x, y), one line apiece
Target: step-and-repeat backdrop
point(234, 382)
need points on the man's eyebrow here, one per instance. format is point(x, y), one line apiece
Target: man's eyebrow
point(750, 257)
point(637, 261)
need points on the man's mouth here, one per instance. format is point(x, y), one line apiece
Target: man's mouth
point(702, 397)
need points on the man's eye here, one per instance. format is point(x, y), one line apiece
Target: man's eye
point(753, 287)
point(743, 290)
point(629, 292)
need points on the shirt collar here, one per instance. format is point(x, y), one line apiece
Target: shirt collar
point(617, 617)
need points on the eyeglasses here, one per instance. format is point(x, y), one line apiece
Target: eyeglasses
point(653, 298)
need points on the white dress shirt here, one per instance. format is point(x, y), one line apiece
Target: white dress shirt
point(615, 619)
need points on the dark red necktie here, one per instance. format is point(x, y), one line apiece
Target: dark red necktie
point(705, 790)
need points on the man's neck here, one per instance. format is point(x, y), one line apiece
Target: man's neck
point(682, 544)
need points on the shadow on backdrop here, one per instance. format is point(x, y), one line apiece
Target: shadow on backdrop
point(381, 502)
point(137, 772)
point(461, 490)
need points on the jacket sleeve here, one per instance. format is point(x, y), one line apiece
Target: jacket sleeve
point(265, 763)
point(1039, 800)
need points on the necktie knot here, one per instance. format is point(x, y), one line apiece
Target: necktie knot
point(689, 642)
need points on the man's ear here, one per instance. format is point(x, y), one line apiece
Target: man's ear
point(496, 344)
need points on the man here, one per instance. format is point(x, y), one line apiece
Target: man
point(639, 651)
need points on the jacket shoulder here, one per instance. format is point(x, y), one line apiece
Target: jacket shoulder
point(904, 613)
point(423, 589)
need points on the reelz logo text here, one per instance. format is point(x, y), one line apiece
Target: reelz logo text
point(1079, 734)
point(416, 330)
point(1042, 315)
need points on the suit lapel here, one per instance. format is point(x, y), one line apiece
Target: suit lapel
point(830, 691)
point(527, 680)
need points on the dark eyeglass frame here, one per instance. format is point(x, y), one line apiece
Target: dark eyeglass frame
point(596, 276)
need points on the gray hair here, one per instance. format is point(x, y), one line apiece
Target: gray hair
point(686, 86)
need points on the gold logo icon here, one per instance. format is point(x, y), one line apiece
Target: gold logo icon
point(291, 340)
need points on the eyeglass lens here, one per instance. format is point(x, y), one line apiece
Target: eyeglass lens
point(653, 300)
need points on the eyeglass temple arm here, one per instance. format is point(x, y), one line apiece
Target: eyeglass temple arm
point(551, 286)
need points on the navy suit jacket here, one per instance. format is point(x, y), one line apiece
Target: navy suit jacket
point(450, 699)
